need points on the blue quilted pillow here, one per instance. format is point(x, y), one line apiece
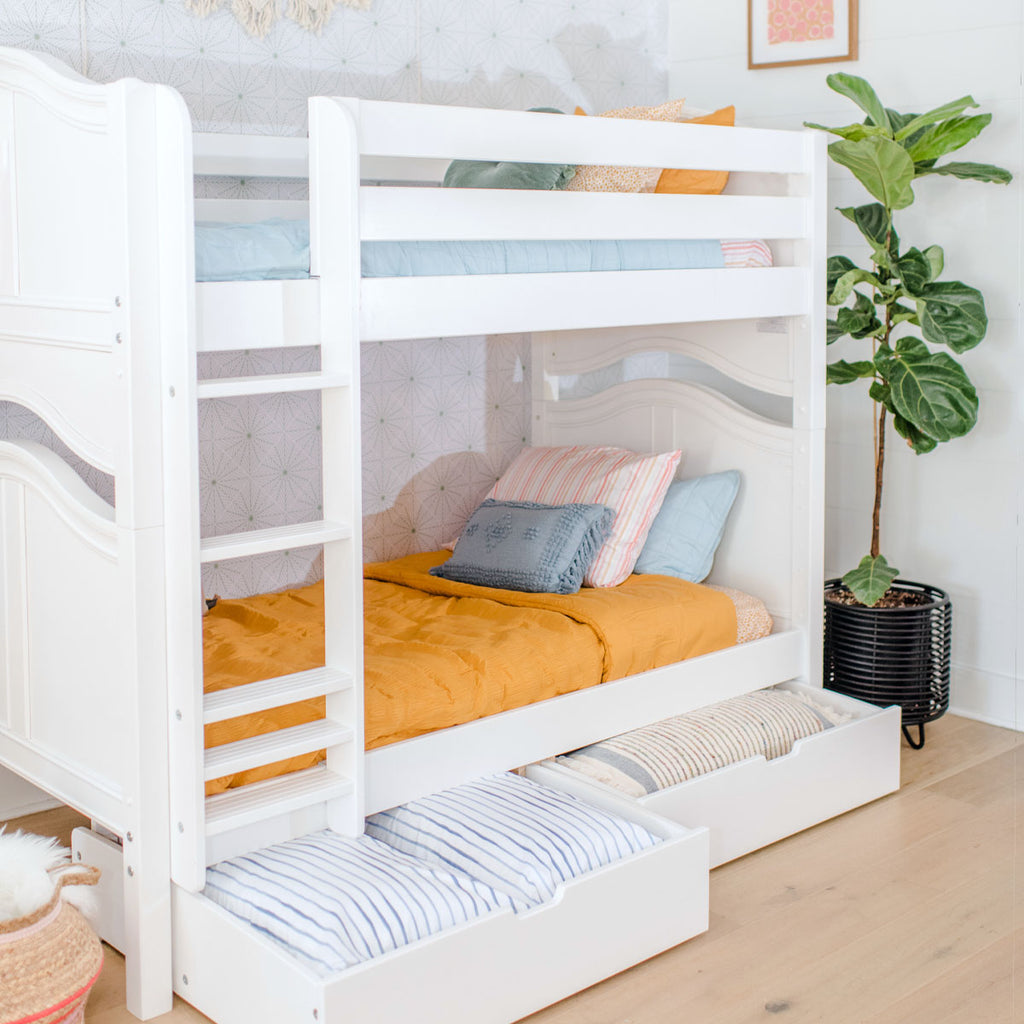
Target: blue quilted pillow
point(688, 529)
point(520, 545)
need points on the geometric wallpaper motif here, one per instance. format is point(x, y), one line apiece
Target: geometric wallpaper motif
point(442, 417)
point(513, 54)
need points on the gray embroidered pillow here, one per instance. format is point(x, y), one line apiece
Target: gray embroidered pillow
point(520, 545)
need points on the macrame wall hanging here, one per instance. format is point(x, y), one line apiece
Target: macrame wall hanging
point(258, 16)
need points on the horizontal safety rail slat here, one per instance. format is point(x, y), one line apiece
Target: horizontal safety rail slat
point(236, 315)
point(397, 214)
point(273, 693)
point(259, 801)
point(420, 130)
point(270, 384)
point(418, 307)
point(272, 747)
point(279, 538)
point(267, 156)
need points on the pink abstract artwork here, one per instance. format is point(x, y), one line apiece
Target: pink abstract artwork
point(800, 21)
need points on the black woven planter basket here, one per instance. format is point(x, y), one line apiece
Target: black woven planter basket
point(892, 655)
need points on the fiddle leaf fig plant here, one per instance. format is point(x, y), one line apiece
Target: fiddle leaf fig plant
point(908, 317)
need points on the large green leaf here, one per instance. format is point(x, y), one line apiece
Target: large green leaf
point(901, 314)
point(915, 122)
point(844, 286)
point(871, 579)
point(931, 391)
point(874, 224)
point(860, 321)
point(842, 372)
point(858, 90)
point(936, 258)
point(917, 439)
point(833, 332)
point(848, 131)
point(835, 267)
point(881, 166)
point(914, 270)
point(953, 314)
point(969, 172)
point(947, 136)
point(880, 392)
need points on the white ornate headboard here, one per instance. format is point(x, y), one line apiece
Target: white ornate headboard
point(714, 432)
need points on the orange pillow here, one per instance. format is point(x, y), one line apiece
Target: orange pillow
point(707, 183)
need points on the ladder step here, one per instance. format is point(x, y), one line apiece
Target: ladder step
point(271, 384)
point(247, 805)
point(278, 538)
point(273, 693)
point(273, 746)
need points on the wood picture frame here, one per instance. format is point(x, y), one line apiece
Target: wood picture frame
point(784, 33)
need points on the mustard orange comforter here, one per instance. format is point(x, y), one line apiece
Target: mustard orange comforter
point(439, 653)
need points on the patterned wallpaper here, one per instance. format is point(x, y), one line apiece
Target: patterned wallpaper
point(441, 416)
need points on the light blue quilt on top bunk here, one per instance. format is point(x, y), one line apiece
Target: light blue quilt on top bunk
point(279, 249)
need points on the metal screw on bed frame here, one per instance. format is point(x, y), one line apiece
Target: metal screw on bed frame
point(170, 391)
point(117, 300)
point(181, 827)
point(177, 715)
point(184, 979)
point(316, 1014)
point(131, 871)
point(118, 338)
point(78, 855)
point(129, 836)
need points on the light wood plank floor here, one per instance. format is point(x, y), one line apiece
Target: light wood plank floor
point(906, 910)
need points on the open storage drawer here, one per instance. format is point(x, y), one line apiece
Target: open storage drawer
point(497, 968)
point(755, 802)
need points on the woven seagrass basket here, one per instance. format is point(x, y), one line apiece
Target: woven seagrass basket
point(49, 959)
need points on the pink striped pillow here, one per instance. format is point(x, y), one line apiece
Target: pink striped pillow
point(632, 485)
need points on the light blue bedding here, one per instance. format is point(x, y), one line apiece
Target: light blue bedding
point(279, 249)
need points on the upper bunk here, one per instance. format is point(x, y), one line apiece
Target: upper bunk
point(373, 168)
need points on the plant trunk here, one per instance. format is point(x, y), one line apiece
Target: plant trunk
point(879, 465)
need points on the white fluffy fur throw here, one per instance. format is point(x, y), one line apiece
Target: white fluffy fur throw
point(258, 16)
point(29, 867)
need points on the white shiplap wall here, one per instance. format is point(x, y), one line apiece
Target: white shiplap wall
point(954, 518)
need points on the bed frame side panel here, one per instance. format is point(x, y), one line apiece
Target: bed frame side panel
point(89, 289)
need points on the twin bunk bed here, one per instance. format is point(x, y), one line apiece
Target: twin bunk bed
point(102, 698)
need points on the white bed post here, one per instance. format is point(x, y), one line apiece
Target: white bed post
point(808, 353)
point(335, 259)
point(153, 120)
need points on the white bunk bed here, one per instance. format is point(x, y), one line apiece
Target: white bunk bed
point(101, 695)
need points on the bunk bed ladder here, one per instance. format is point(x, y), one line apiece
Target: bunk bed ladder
point(279, 807)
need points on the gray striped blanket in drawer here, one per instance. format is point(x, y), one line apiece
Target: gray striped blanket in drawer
point(765, 723)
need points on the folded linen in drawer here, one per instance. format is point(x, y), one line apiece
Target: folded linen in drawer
point(511, 834)
point(764, 723)
point(333, 902)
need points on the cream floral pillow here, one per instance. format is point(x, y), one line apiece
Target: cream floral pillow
point(605, 178)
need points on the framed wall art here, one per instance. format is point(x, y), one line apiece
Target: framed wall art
point(781, 33)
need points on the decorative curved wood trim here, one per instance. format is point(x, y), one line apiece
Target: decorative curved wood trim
point(65, 93)
point(645, 395)
point(603, 349)
point(86, 513)
point(95, 454)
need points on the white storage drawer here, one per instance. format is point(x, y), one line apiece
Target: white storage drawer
point(755, 802)
point(497, 969)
